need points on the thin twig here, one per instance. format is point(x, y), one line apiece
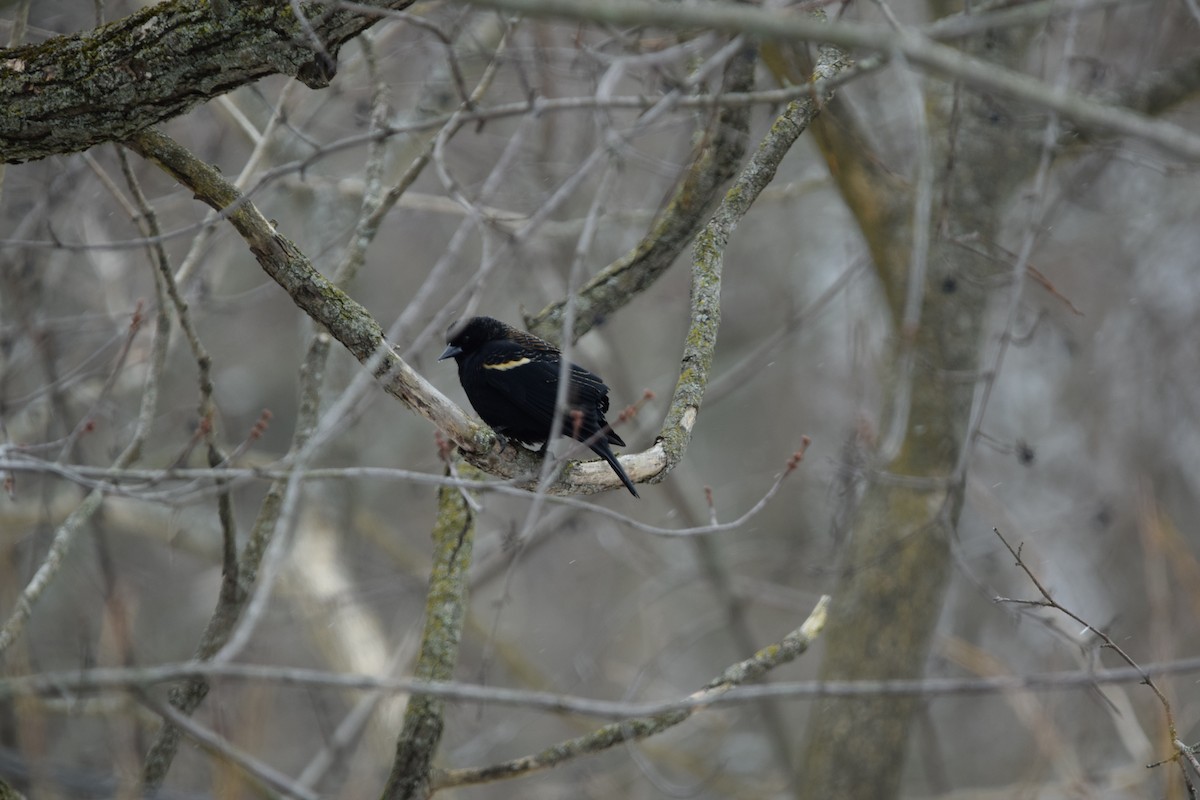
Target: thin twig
point(1048, 601)
point(258, 771)
point(107, 477)
point(65, 535)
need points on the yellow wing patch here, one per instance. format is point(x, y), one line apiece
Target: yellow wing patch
point(517, 362)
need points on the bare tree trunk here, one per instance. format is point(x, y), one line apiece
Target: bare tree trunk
point(893, 578)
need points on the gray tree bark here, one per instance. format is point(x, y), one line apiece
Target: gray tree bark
point(72, 92)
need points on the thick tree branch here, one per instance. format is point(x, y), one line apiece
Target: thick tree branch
point(346, 320)
point(72, 92)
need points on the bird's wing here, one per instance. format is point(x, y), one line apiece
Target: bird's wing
point(586, 387)
point(525, 377)
point(529, 378)
point(528, 341)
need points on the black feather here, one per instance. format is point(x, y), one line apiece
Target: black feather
point(511, 379)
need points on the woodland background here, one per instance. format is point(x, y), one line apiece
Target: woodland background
point(972, 283)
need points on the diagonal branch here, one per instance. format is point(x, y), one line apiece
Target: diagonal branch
point(715, 162)
point(751, 670)
point(708, 256)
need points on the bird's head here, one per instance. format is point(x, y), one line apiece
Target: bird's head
point(466, 336)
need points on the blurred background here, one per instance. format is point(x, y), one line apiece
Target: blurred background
point(1086, 452)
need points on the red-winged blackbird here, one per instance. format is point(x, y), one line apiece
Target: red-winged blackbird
point(511, 379)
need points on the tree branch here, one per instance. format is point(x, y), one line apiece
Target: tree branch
point(72, 92)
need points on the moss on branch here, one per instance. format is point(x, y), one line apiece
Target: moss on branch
point(72, 92)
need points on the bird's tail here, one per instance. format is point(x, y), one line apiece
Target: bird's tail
point(602, 449)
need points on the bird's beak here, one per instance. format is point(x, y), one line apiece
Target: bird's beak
point(450, 352)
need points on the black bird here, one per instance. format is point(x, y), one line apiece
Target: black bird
point(511, 379)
